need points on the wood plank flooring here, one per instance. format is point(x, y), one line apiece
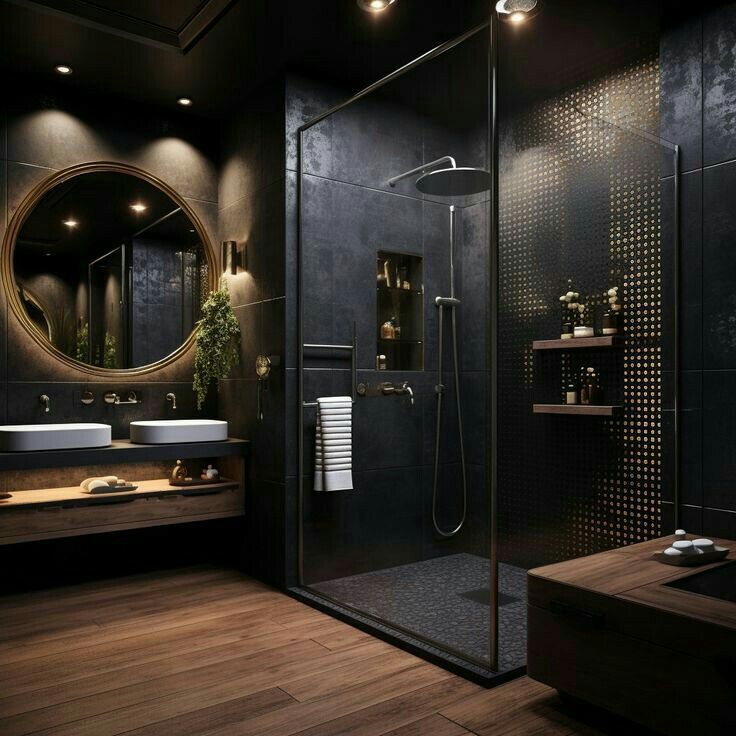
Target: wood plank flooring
point(205, 651)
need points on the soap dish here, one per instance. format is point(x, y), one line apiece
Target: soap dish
point(692, 560)
point(111, 489)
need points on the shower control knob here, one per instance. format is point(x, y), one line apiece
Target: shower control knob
point(362, 389)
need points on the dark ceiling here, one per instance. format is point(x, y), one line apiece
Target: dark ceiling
point(122, 50)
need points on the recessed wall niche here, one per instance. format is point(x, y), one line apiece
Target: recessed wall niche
point(400, 312)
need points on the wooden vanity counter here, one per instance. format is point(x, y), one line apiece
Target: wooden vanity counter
point(34, 514)
point(609, 630)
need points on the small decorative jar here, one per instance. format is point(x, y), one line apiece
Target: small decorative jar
point(610, 323)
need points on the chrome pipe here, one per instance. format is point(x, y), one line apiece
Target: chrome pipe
point(423, 169)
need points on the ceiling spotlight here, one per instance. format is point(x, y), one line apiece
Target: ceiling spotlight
point(138, 207)
point(374, 6)
point(70, 222)
point(516, 11)
point(64, 69)
point(184, 101)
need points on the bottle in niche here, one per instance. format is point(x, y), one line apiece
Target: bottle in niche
point(590, 392)
point(381, 362)
point(571, 394)
point(397, 328)
point(403, 278)
point(387, 330)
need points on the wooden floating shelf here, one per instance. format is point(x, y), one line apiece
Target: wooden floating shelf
point(76, 496)
point(575, 343)
point(586, 409)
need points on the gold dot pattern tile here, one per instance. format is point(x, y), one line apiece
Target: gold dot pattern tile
point(580, 200)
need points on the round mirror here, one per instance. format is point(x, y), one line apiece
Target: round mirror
point(108, 268)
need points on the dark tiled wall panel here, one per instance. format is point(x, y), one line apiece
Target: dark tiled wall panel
point(252, 211)
point(47, 130)
point(699, 86)
point(349, 214)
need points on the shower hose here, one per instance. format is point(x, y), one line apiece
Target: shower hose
point(451, 304)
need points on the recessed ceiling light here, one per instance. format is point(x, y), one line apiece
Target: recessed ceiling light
point(63, 69)
point(184, 101)
point(375, 6)
point(70, 222)
point(516, 11)
point(138, 207)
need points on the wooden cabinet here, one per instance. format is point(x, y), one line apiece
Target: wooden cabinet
point(48, 513)
point(609, 630)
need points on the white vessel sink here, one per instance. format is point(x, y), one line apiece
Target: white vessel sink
point(169, 431)
point(35, 437)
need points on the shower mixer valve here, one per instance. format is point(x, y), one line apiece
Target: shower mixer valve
point(386, 388)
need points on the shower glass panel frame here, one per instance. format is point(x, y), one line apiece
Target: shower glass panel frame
point(480, 668)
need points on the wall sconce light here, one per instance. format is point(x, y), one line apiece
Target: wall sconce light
point(233, 257)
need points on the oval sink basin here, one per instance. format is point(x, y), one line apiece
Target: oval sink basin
point(165, 432)
point(30, 437)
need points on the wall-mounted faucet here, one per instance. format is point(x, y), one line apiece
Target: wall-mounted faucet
point(172, 398)
point(45, 401)
point(386, 388)
point(112, 398)
point(405, 388)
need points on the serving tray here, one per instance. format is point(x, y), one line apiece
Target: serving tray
point(718, 553)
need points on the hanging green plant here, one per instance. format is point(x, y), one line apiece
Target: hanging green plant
point(218, 342)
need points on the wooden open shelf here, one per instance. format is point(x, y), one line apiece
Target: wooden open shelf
point(576, 343)
point(52, 513)
point(76, 496)
point(584, 409)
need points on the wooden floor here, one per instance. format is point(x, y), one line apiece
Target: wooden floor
point(208, 651)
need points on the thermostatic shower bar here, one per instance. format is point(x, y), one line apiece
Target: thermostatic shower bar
point(353, 362)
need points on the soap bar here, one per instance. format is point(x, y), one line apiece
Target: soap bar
point(685, 547)
point(97, 483)
point(672, 552)
point(704, 545)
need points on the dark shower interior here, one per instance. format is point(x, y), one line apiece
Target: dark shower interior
point(582, 193)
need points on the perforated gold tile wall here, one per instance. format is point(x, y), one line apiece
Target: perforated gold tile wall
point(580, 200)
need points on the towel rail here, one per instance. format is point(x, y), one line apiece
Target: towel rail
point(353, 362)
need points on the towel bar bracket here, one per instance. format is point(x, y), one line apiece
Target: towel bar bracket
point(353, 363)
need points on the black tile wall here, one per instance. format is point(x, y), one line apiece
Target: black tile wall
point(698, 104)
point(350, 213)
point(252, 191)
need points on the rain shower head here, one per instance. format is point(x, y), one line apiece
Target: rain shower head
point(453, 181)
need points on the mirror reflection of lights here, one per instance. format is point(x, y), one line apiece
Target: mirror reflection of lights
point(185, 101)
point(64, 69)
point(138, 207)
point(70, 222)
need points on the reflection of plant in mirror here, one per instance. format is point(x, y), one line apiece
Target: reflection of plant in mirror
point(82, 351)
point(218, 342)
point(109, 358)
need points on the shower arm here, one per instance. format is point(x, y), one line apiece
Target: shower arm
point(423, 169)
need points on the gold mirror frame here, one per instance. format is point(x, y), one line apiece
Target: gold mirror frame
point(19, 218)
